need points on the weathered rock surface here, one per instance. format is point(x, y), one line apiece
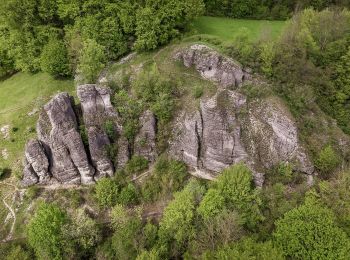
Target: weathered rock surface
point(60, 149)
point(219, 135)
point(226, 129)
point(145, 140)
point(213, 66)
point(37, 161)
point(96, 107)
point(271, 136)
point(69, 159)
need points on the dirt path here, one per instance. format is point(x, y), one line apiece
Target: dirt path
point(10, 209)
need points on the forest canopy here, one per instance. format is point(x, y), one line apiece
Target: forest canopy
point(35, 33)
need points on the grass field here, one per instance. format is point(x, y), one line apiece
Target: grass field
point(226, 28)
point(20, 95)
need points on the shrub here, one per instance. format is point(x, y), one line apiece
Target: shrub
point(45, 233)
point(110, 130)
point(168, 176)
point(128, 195)
point(309, 232)
point(235, 186)
point(106, 192)
point(83, 232)
point(32, 192)
point(327, 161)
point(212, 204)
point(136, 164)
point(92, 61)
point(54, 59)
point(198, 92)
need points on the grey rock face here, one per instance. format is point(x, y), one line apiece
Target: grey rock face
point(96, 107)
point(272, 137)
point(213, 66)
point(37, 160)
point(209, 139)
point(69, 159)
point(60, 151)
point(219, 134)
point(145, 140)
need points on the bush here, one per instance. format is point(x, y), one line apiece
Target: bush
point(235, 186)
point(168, 176)
point(327, 161)
point(128, 195)
point(309, 232)
point(45, 232)
point(136, 164)
point(84, 232)
point(32, 192)
point(54, 59)
point(106, 192)
point(92, 61)
point(110, 130)
point(198, 92)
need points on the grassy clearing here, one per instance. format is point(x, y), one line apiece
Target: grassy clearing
point(20, 95)
point(226, 29)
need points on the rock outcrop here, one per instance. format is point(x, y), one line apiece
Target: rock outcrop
point(59, 147)
point(145, 140)
point(226, 129)
point(96, 107)
point(213, 66)
point(223, 130)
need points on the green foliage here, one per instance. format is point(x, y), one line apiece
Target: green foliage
point(212, 233)
point(32, 192)
point(234, 185)
point(265, 9)
point(246, 248)
point(327, 161)
point(336, 195)
point(198, 91)
point(18, 252)
point(160, 21)
point(92, 61)
point(26, 28)
point(83, 232)
point(136, 164)
point(127, 238)
point(177, 224)
point(45, 234)
point(167, 177)
point(54, 59)
point(212, 204)
point(110, 130)
point(310, 232)
point(106, 192)
point(130, 110)
point(156, 91)
point(128, 195)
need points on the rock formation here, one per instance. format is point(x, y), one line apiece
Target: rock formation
point(61, 145)
point(145, 140)
point(213, 66)
point(225, 129)
point(96, 107)
point(219, 134)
